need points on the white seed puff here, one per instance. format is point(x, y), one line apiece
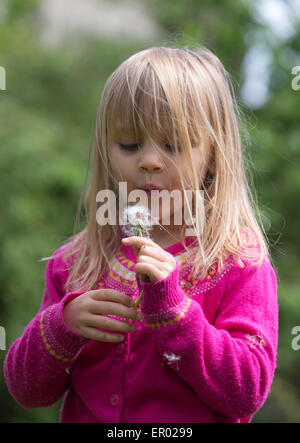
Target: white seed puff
point(136, 220)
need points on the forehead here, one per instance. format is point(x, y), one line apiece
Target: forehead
point(143, 122)
point(146, 126)
point(144, 111)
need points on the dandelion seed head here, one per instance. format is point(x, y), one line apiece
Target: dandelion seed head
point(136, 220)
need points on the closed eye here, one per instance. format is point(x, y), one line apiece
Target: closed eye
point(135, 146)
point(172, 148)
point(131, 147)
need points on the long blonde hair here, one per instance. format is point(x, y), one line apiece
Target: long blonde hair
point(187, 93)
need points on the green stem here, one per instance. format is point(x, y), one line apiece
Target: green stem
point(139, 299)
point(140, 296)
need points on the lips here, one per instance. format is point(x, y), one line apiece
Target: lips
point(150, 187)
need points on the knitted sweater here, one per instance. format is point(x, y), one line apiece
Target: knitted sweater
point(205, 350)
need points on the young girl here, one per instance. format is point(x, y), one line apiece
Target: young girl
point(201, 345)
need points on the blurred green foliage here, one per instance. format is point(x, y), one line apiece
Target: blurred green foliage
point(46, 125)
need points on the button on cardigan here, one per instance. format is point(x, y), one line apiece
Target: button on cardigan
point(205, 350)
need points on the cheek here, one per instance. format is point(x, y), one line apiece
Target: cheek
point(186, 176)
point(120, 166)
point(199, 163)
point(115, 170)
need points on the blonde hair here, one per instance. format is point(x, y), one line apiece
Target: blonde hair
point(187, 95)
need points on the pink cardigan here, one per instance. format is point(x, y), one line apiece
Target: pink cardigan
point(205, 350)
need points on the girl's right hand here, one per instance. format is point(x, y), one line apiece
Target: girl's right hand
point(85, 314)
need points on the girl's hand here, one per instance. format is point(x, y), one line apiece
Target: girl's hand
point(152, 261)
point(84, 314)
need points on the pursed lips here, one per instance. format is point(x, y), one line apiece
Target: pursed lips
point(151, 188)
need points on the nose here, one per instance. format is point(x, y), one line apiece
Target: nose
point(150, 159)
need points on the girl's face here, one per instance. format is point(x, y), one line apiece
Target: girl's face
point(145, 163)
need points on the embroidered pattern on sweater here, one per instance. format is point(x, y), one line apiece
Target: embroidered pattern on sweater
point(168, 317)
point(122, 278)
point(45, 330)
point(122, 275)
point(193, 286)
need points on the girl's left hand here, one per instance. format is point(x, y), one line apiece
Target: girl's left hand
point(152, 261)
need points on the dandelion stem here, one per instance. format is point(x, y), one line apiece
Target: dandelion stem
point(139, 299)
point(140, 228)
point(140, 296)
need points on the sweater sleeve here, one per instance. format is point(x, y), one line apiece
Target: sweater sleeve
point(230, 364)
point(37, 364)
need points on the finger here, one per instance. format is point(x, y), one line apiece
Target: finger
point(150, 270)
point(150, 251)
point(112, 295)
point(141, 243)
point(138, 241)
point(160, 259)
point(110, 308)
point(110, 324)
point(148, 259)
point(95, 334)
